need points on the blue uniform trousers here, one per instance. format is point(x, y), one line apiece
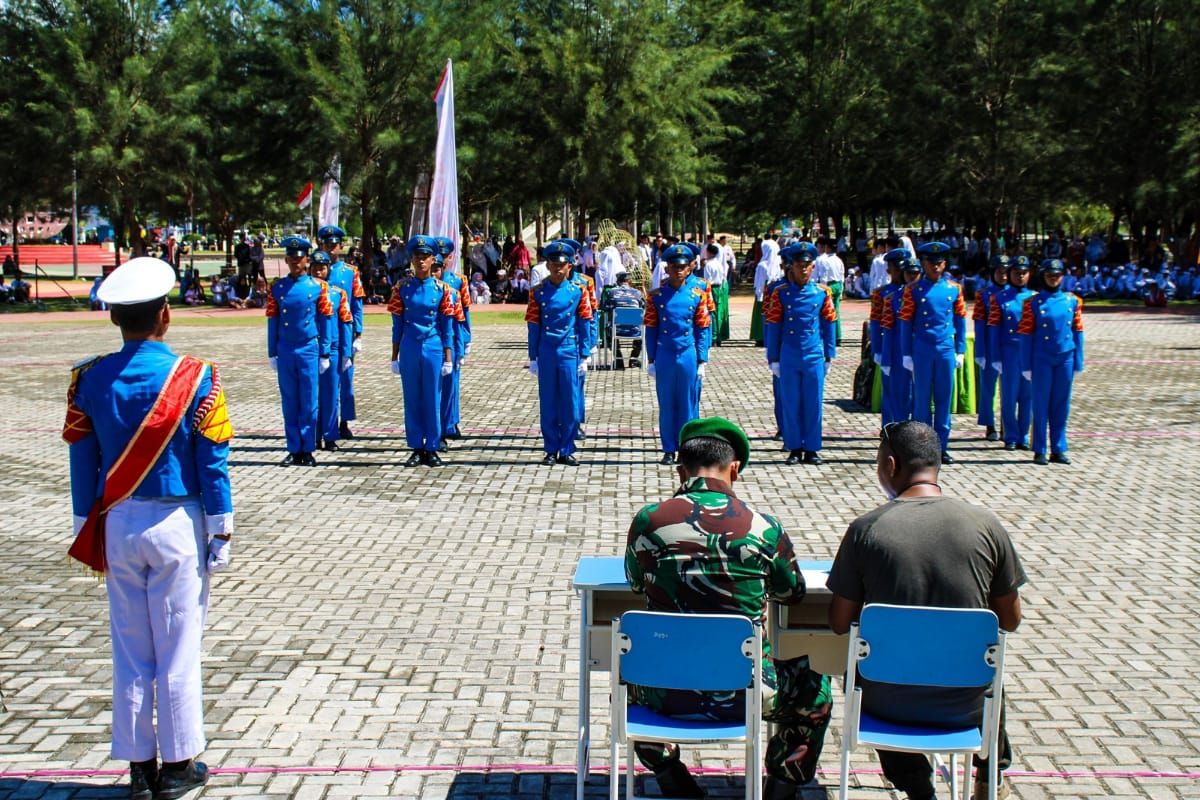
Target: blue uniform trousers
point(298, 368)
point(899, 387)
point(421, 377)
point(675, 384)
point(802, 392)
point(329, 399)
point(580, 402)
point(778, 408)
point(346, 395)
point(558, 402)
point(933, 384)
point(1052, 401)
point(449, 409)
point(986, 398)
point(1015, 398)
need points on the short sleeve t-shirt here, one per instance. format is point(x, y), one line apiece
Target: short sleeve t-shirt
point(926, 551)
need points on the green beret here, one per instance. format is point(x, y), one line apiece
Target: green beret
point(719, 428)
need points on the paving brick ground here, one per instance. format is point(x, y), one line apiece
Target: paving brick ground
point(383, 617)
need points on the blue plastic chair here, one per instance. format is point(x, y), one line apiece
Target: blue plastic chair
point(625, 317)
point(920, 646)
point(704, 652)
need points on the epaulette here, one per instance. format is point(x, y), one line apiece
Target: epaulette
point(953, 282)
point(828, 291)
point(83, 366)
point(654, 292)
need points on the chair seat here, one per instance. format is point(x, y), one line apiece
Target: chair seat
point(917, 738)
point(646, 725)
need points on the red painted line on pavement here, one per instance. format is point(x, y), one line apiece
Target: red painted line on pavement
point(558, 769)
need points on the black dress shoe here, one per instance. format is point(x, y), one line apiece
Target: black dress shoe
point(549, 460)
point(307, 460)
point(947, 458)
point(668, 458)
point(569, 461)
point(414, 458)
point(344, 431)
point(812, 457)
point(443, 446)
point(636, 363)
point(1040, 459)
point(432, 459)
point(778, 436)
point(674, 780)
point(1059, 458)
point(992, 436)
point(1010, 446)
point(580, 433)
point(330, 447)
point(795, 457)
point(619, 364)
point(1023, 447)
point(176, 781)
point(289, 460)
point(143, 777)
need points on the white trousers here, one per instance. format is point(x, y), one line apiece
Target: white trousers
point(157, 601)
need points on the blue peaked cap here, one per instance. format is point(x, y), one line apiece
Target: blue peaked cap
point(897, 255)
point(1053, 265)
point(804, 252)
point(421, 244)
point(445, 246)
point(321, 257)
point(330, 233)
point(695, 248)
point(296, 245)
point(938, 249)
point(560, 250)
point(678, 254)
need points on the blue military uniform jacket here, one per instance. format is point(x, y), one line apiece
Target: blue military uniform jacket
point(346, 278)
point(880, 299)
point(299, 312)
point(109, 398)
point(423, 310)
point(1051, 329)
point(462, 320)
point(934, 313)
point(559, 320)
point(678, 319)
point(341, 341)
point(980, 314)
point(1004, 316)
point(800, 324)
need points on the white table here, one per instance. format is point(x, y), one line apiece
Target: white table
point(604, 594)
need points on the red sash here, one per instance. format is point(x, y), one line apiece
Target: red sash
point(135, 462)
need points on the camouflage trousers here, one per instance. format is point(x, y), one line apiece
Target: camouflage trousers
point(795, 699)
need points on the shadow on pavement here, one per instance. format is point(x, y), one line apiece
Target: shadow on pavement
point(59, 790)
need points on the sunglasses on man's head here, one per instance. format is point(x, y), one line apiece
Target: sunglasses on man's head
point(884, 434)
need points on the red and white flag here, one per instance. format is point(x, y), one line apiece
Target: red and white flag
point(331, 196)
point(443, 198)
point(305, 198)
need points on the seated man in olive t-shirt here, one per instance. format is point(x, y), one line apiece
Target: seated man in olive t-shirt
point(924, 549)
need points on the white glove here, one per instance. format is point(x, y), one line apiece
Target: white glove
point(458, 364)
point(980, 361)
point(650, 370)
point(533, 368)
point(323, 365)
point(828, 364)
point(886, 370)
point(396, 367)
point(1027, 375)
point(877, 358)
point(346, 364)
point(959, 360)
point(998, 366)
point(908, 363)
point(700, 371)
point(593, 353)
point(274, 362)
point(582, 368)
point(356, 347)
point(774, 367)
point(447, 368)
point(218, 555)
point(467, 350)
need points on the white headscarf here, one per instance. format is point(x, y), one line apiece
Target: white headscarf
point(607, 269)
point(769, 268)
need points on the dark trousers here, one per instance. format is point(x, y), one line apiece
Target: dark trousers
point(636, 352)
point(912, 773)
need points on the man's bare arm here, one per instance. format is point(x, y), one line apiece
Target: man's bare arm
point(1007, 608)
point(842, 613)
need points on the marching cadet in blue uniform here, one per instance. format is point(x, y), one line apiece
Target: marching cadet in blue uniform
point(299, 329)
point(345, 277)
point(899, 380)
point(423, 311)
point(588, 285)
point(1004, 350)
point(801, 333)
point(1051, 353)
point(559, 321)
point(697, 279)
point(933, 340)
point(451, 411)
point(678, 335)
point(988, 376)
point(776, 401)
point(149, 441)
point(880, 298)
point(341, 342)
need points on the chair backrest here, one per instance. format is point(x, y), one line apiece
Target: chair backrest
point(921, 646)
point(705, 652)
point(627, 315)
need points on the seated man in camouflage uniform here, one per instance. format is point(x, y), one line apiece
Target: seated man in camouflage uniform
point(705, 551)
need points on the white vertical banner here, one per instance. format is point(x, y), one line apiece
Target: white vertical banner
point(331, 195)
point(443, 198)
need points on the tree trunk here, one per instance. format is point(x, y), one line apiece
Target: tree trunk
point(16, 243)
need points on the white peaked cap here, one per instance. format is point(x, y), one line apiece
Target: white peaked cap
point(138, 280)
